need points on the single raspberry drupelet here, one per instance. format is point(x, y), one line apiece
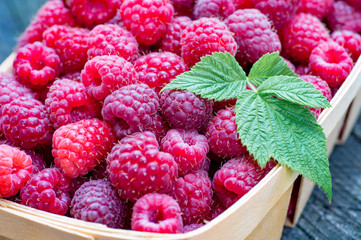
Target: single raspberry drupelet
point(104, 74)
point(158, 213)
point(157, 69)
point(47, 190)
point(213, 8)
point(36, 65)
point(206, 36)
point(188, 148)
point(331, 62)
point(131, 109)
point(253, 34)
point(192, 227)
point(70, 44)
point(351, 41)
point(111, 39)
point(301, 35)
point(79, 147)
point(147, 20)
point(97, 201)
point(16, 167)
point(344, 17)
point(137, 167)
point(184, 110)
point(317, 8)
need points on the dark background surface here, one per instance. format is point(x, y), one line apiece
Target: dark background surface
point(320, 220)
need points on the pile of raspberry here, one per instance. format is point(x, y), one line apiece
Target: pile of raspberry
point(85, 129)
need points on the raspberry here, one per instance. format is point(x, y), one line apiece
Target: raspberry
point(147, 20)
point(157, 213)
point(70, 44)
point(205, 36)
point(16, 168)
point(97, 201)
point(24, 122)
point(351, 41)
point(93, 12)
point(47, 190)
point(331, 62)
point(159, 68)
point(137, 167)
point(192, 227)
point(183, 109)
point(158, 127)
point(79, 147)
point(130, 109)
point(301, 35)
point(105, 74)
point(184, 7)
point(315, 7)
point(344, 17)
point(36, 65)
point(194, 195)
point(111, 39)
point(67, 102)
point(253, 34)
point(213, 8)
point(222, 135)
point(242, 4)
point(171, 38)
point(188, 148)
point(236, 177)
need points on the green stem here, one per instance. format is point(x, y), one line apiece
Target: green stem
point(253, 88)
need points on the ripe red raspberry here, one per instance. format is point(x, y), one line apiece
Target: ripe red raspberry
point(131, 109)
point(183, 109)
point(79, 147)
point(192, 227)
point(70, 44)
point(222, 135)
point(317, 8)
point(194, 195)
point(170, 41)
point(331, 62)
point(183, 7)
point(157, 69)
point(93, 12)
point(16, 168)
point(137, 167)
point(36, 65)
point(47, 190)
point(351, 41)
point(206, 36)
point(301, 35)
point(213, 8)
point(253, 34)
point(97, 201)
point(147, 20)
point(344, 17)
point(25, 122)
point(236, 177)
point(242, 4)
point(104, 74)
point(111, 39)
point(158, 127)
point(188, 148)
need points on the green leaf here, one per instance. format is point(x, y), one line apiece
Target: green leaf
point(294, 90)
point(217, 76)
point(275, 128)
point(269, 65)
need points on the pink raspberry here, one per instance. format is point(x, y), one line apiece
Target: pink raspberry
point(97, 201)
point(192, 227)
point(130, 109)
point(213, 8)
point(137, 167)
point(188, 148)
point(79, 147)
point(47, 190)
point(344, 17)
point(317, 8)
point(183, 109)
point(147, 20)
point(194, 195)
point(158, 127)
point(70, 44)
point(157, 69)
point(102, 75)
point(301, 35)
point(242, 4)
point(351, 41)
point(158, 213)
point(16, 168)
point(206, 36)
point(331, 62)
point(253, 34)
point(111, 39)
point(36, 65)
